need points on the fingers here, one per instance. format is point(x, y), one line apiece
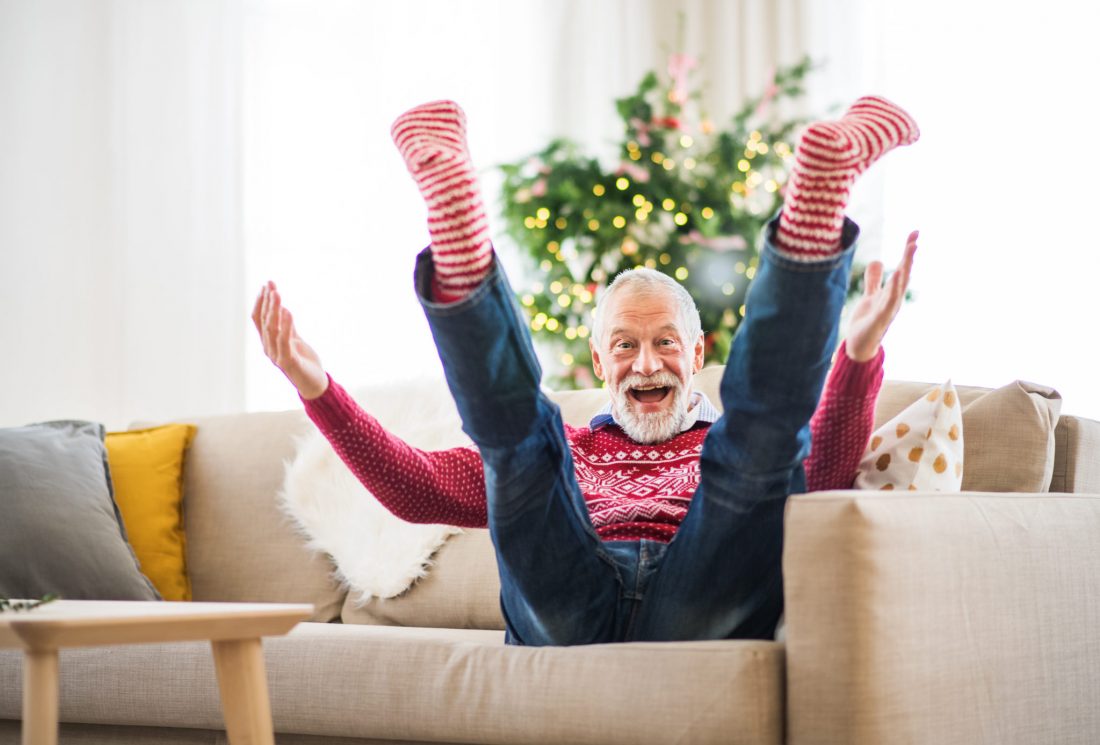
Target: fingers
point(286, 332)
point(258, 308)
point(872, 278)
point(905, 267)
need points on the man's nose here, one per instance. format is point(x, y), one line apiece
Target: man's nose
point(647, 362)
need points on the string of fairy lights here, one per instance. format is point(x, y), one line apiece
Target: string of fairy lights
point(685, 198)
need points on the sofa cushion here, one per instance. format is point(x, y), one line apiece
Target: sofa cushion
point(460, 591)
point(240, 546)
point(942, 618)
point(60, 529)
point(919, 449)
point(147, 474)
point(1008, 432)
point(441, 685)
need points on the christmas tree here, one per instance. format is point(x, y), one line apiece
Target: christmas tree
point(685, 197)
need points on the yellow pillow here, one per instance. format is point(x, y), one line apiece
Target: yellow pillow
point(147, 475)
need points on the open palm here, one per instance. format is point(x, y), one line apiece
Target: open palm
point(284, 347)
point(875, 311)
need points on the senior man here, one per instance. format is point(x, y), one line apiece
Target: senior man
point(661, 520)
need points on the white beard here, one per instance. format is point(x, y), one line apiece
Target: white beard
point(655, 427)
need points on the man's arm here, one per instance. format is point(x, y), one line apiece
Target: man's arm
point(844, 418)
point(446, 486)
point(418, 486)
point(843, 421)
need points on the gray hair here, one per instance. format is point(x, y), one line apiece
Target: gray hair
point(649, 280)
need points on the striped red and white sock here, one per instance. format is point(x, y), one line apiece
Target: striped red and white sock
point(432, 140)
point(829, 158)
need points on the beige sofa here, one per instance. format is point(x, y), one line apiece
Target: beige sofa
point(911, 618)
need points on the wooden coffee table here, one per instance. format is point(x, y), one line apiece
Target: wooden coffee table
point(233, 629)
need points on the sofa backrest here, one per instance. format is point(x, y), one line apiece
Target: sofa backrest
point(241, 547)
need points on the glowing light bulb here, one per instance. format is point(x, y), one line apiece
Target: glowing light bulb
point(528, 300)
point(686, 141)
point(743, 165)
point(564, 300)
point(598, 190)
point(638, 200)
point(680, 218)
point(668, 205)
point(707, 213)
point(552, 324)
point(542, 213)
point(681, 273)
point(665, 259)
point(622, 183)
point(619, 221)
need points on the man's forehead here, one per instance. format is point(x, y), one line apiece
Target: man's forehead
point(642, 305)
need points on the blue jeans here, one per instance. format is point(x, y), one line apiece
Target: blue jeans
point(720, 577)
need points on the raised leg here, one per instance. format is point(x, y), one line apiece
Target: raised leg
point(558, 583)
point(40, 697)
point(243, 683)
point(722, 573)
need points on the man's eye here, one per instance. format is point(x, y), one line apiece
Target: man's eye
point(623, 345)
point(668, 342)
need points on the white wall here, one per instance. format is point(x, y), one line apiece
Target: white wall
point(119, 219)
point(330, 212)
point(161, 159)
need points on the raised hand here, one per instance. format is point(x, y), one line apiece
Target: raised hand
point(875, 311)
point(283, 346)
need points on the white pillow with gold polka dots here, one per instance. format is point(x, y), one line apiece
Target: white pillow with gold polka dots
point(921, 449)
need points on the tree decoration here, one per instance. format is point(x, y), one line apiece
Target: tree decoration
point(685, 197)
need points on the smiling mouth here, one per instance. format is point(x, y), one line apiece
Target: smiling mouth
point(650, 395)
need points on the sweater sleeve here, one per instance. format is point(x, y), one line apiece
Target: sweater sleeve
point(842, 424)
point(418, 486)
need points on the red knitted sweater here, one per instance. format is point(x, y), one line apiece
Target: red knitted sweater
point(633, 491)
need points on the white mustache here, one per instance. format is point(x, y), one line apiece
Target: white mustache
point(658, 380)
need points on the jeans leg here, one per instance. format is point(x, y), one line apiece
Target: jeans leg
point(721, 576)
point(558, 584)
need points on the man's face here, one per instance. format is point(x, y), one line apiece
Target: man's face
point(648, 363)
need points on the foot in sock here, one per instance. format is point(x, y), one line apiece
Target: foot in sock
point(829, 158)
point(432, 140)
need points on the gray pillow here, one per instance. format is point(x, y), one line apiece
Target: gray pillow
point(60, 529)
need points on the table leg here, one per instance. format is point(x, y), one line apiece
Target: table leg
point(40, 697)
point(243, 683)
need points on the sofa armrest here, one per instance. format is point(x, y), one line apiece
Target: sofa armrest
point(942, 618)
point(1076, 456)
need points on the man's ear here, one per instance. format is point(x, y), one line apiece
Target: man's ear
point(700, 347)
point(597, 365)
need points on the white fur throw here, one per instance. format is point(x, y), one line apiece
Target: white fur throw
point(375, 553)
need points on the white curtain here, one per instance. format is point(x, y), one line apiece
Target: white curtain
point(120, 249)
point(161, 159)
point(330, 213)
